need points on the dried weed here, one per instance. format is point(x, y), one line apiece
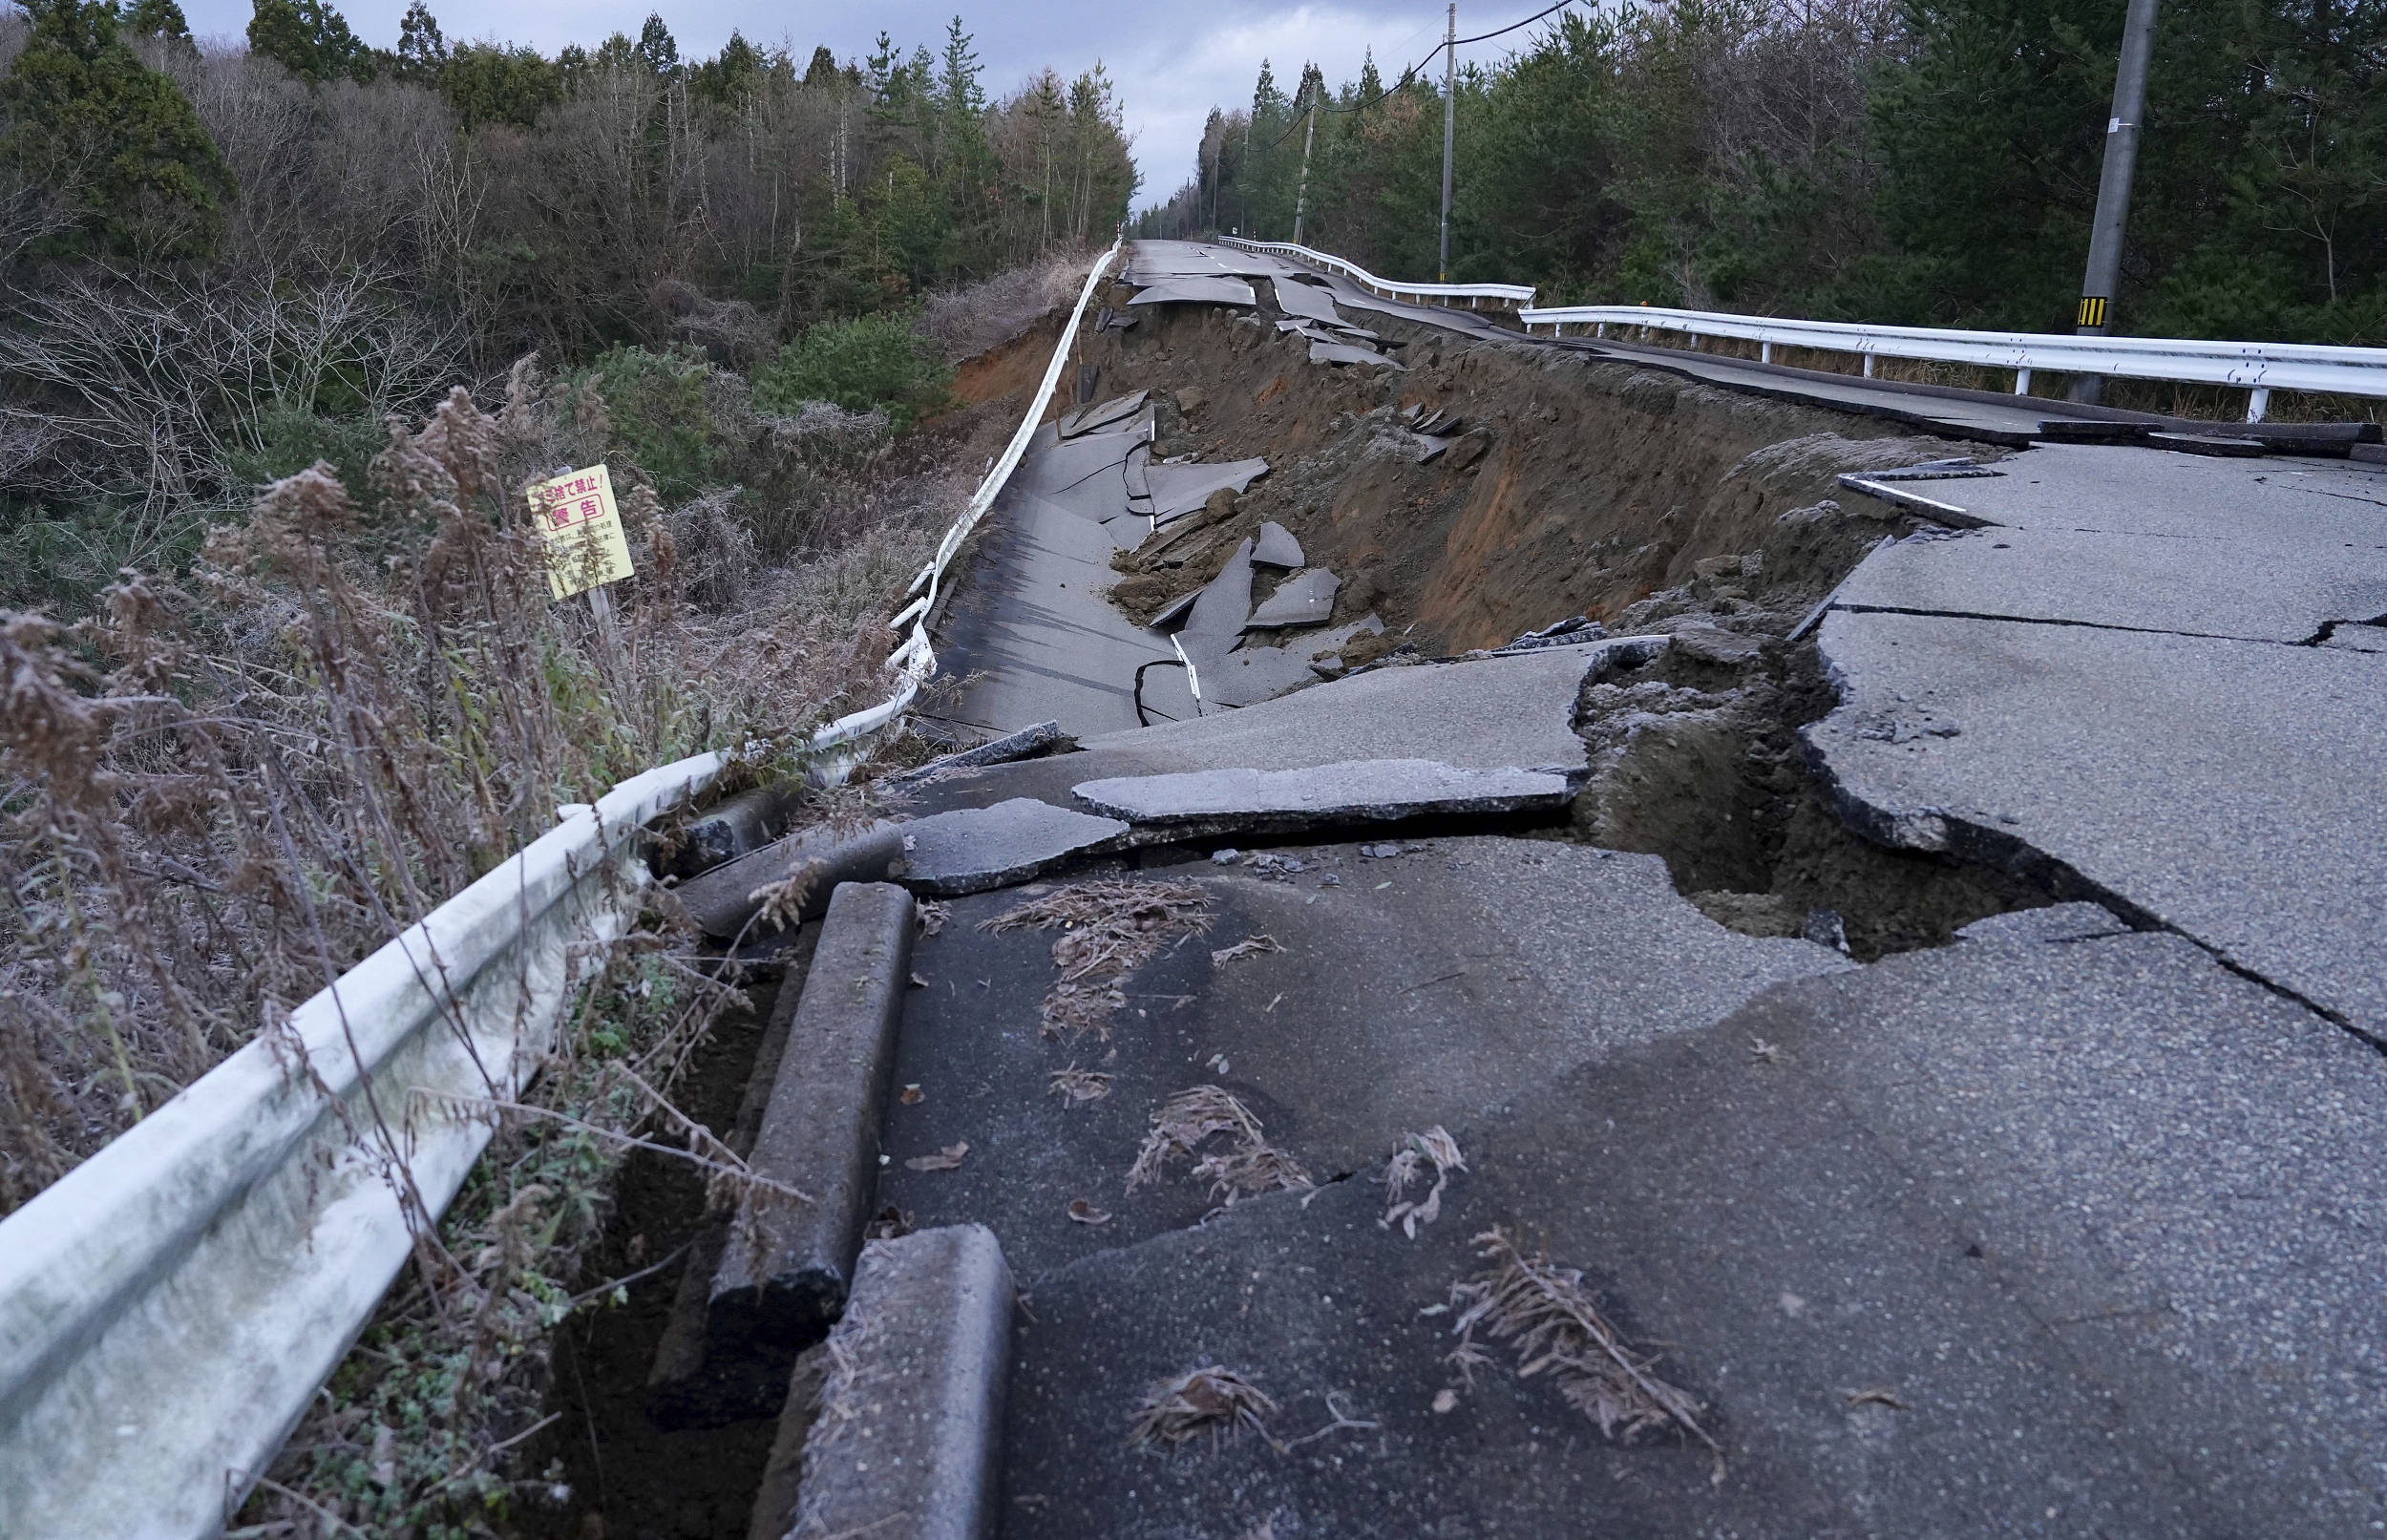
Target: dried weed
point(1248, 947)
point(1111, 927)
point(1556, 1325)
point(1434, 1147)
point(1077, 1086)
point(1220, 1403)
point(1246, 1166)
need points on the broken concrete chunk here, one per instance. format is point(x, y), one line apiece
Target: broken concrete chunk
point(1174, 611)
point(1342, 352)
point(973, 849)
point(800, 870)
point(1197, 291)
point(1276, 547)
point(1044, 737)
point(1353, 791)
point(2081, 921)
point(1299, 299)
point(1088, 418)
point(1226, 603)
point(1304, 598)
point(1179, 490)
point(909, 1442)
point(785, 1271)
point(1249, 675)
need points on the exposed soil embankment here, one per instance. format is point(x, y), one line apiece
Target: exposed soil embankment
point(1575, 486)
point(1014, 369)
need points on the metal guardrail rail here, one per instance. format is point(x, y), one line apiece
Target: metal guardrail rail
point(2259, 368)
point(170, 1306)
point(1508, 296)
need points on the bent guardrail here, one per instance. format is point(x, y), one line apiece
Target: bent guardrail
point(2259, 368)
point(1508, 296)
point(169, 1307)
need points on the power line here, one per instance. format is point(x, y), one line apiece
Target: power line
point(1411, 73)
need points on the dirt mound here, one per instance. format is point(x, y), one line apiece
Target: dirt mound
point(1575, 486)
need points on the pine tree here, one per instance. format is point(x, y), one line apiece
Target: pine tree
point(86, 115)
point(310, 40)
point(657, 48)
point(157, 18)
point(822, 73)
point(422, 48)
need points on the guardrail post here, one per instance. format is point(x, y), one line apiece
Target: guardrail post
point(1868, 366)
point(2022, 382)
point(1765, 352)
point(2257, 402)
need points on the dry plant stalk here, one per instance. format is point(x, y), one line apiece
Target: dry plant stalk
point(1433, 1148)
point(1220, 1403)
point(1077, 1086)
point(1248, 1165)
point(1249, 946)
point(1111, 927)
point(1557, 1326)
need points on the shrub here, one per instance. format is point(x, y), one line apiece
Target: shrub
point(875, 361)
point(665, 414)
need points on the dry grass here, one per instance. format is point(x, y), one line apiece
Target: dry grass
point(1435, 1148)
point(1244, 1166)
point(1251, 946)
point(1109, 928)
point(966, 322)
point(1219, 1403)
point(1077, 1086)
point(1556, 1325)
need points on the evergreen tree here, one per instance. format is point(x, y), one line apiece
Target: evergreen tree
point(657, 48)
point(422, 48)
point(310, 40)
point(490, 83)
point(730, 76)
point(822, 73)
point(84, 114)
point(157, 18)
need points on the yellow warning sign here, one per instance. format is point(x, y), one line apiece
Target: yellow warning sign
point(582, 529)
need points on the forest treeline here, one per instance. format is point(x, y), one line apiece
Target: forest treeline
point(1918, 161)
point(223, 262)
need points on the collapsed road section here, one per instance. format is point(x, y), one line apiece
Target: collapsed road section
point(1546, 946)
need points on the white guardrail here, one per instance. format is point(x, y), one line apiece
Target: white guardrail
point(170, 1306)
point(2259, 368)
point(1508, 296)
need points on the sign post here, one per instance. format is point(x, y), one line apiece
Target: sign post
point(585, 547)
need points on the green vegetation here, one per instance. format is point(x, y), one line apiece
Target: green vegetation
point(1924, 161)
point(686, 237)
point(871, 362)
point(83, 119)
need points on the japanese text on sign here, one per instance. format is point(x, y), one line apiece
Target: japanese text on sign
point(582, 528)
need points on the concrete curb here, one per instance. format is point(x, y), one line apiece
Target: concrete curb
point(733, 827)
point(722, 901)
point(785, 1272)
point(908, 1444)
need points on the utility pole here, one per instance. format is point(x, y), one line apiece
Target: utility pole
point(2112, 187)
point(1301, 193)
point(1450, 120)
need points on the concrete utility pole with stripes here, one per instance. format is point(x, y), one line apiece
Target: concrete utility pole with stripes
point(2113, 187)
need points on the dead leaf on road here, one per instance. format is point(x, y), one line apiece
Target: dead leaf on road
point(911, 1096)
point(1879, 1395)
point(1086, 1214)
point(1249, 946)
point(944, 1160)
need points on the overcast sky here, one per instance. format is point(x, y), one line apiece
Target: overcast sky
point(1172, 61)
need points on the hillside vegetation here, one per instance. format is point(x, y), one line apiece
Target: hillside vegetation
point(1918, 161)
